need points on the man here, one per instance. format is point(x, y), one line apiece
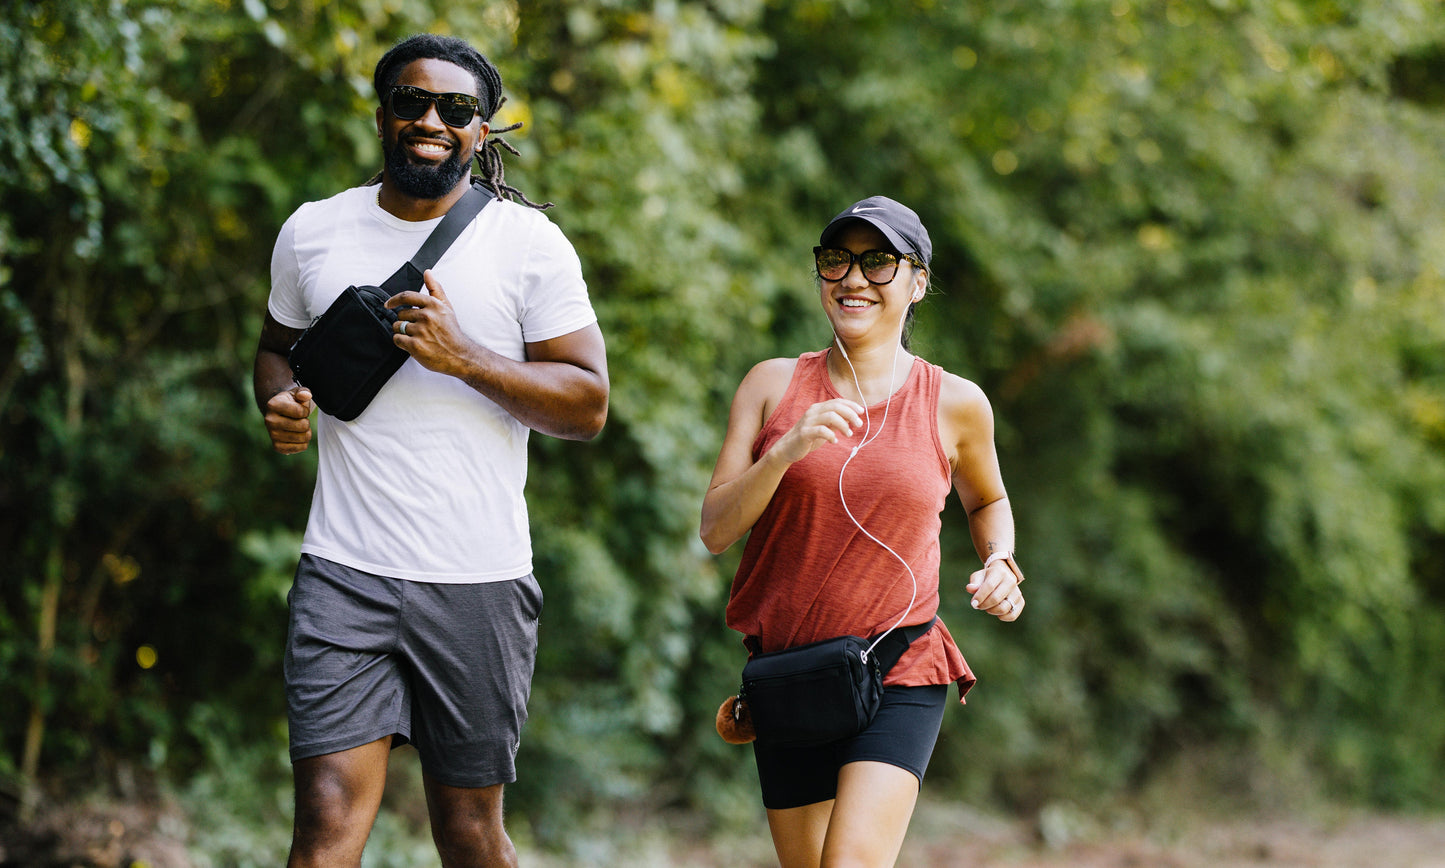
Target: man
point(414, 610)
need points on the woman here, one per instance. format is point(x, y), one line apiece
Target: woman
point(837, 465)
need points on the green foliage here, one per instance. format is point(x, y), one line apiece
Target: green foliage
point(1193, 271)
point(148, 153)
point(644, 117)
point(1192, 251)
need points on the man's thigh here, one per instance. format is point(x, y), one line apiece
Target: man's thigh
point(471, 651)
point(345, 686)
point(337, 797)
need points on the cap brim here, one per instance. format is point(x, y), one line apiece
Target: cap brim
point(893, 237)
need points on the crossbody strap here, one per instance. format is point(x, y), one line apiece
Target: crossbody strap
point(462, 212)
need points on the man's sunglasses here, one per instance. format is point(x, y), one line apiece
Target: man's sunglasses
point(455, 109)
point(878, 266)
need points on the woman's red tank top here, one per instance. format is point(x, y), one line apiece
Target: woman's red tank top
point(808, 573)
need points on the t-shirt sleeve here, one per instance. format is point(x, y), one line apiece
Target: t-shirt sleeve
point(287, 303)
point(555, 300)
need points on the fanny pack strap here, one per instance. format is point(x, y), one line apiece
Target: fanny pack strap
point(408, 277)
point(888, 649)
point(891, 647)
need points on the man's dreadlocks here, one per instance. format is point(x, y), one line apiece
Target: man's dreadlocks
point(427, 46)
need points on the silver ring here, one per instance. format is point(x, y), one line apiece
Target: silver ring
point(403, 326)
point(1010, 605)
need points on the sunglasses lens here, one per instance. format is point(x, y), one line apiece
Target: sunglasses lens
point(408, 106)
point(878, 266)
point(832, 264)
point(455, 114)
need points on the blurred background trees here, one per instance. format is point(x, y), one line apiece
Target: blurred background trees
point(1193, 250)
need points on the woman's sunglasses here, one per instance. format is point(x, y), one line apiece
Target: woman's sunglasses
point(455, 109)
point(878, 266)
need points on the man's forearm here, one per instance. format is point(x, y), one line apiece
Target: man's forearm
point(559, 399)
point(272, 374)
point(560, 390)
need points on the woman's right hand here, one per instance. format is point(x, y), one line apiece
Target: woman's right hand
point(742, 487)
point(824, 422)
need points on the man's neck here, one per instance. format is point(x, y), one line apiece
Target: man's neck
point(410, 208)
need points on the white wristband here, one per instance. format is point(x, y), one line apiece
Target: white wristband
point(996, 556)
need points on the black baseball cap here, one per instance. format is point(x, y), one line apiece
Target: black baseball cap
point(896, 221)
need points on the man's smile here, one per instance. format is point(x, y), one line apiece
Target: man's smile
point(428, 149)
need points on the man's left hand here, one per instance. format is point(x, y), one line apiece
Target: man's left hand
point(427, 327)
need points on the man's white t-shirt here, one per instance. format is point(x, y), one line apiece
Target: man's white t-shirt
point(426, 484)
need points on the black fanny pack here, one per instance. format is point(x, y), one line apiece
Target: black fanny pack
point(823, 691)
point(347, 354)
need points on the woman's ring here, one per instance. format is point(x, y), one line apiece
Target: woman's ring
point(1010, 605)
point(403, 326)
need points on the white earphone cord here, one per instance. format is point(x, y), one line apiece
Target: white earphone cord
point(864, 442)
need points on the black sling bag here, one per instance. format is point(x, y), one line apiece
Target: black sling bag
point(347, 354)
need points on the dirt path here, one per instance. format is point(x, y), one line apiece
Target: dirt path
point(953, 836)
point(942, 836)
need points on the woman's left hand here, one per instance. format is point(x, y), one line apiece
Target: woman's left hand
point(996, 591)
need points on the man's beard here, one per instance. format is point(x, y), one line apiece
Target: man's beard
point(422, 180)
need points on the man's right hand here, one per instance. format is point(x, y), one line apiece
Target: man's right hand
point(288, 419)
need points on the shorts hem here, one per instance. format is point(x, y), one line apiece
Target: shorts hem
point(337, 745)
point(787, 804)
point(887, 761)
point(479, 782)
point(790, 807)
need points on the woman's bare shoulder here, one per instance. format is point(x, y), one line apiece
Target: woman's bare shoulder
point(957, 395)
point(769, 377)
point(965, 417)
point(763, 387)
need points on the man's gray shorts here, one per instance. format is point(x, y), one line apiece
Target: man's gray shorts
point(447, 667)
